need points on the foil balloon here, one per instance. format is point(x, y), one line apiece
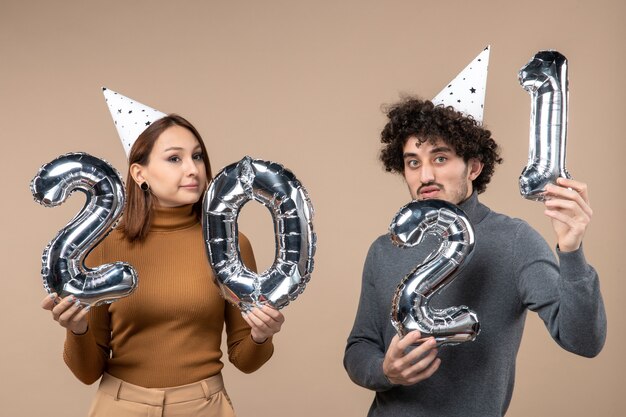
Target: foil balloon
point(410, 306)
point(277, 189)
point(63, 268)
point(545, 78)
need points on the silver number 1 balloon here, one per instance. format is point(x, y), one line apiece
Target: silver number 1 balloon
point(277, 189)
point(63, 269)
point(545, 78)
point(410, 306)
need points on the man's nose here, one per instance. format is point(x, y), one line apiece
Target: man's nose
point(427, 174)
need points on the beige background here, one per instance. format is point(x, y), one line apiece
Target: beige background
point(301, 83)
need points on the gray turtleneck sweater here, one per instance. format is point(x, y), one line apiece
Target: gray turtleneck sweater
point(512, 270)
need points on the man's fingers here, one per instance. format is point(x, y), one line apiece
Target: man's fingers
point(409, 339)
point(418, 358)
point(426, 348)
point(426, 373)
point(574, 207)
point(580, 187)
point(417, 365)
point(569, 189)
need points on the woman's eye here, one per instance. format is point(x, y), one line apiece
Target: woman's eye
point(197, 157)
point(173, 158)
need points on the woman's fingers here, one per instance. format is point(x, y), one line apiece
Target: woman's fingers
point(49, 301)
point(68, 312)
point(264, 322)
point(62, 306)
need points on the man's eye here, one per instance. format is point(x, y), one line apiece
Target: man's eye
point(413, 163)
point(441, 159)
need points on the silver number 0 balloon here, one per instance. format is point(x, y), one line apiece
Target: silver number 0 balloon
point(277, 189)
point(410, 306)
point(63, 269)
point(545, 78)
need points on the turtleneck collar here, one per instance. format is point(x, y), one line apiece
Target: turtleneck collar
point(474, 209)
point(168, 219)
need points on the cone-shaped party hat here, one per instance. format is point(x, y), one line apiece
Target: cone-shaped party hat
point(466, 93)
point(131, 117)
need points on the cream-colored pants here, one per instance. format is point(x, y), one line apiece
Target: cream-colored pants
point(116, 398)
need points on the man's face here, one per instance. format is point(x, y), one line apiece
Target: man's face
point(434, 170)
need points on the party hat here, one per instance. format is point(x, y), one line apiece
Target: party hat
point(466, 93)
point(131, 117)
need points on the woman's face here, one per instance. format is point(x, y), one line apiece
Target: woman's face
point(175, 171)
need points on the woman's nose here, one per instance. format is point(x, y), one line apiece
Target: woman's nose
point(191, 168)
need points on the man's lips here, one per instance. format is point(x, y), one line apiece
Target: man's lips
point(428, 191)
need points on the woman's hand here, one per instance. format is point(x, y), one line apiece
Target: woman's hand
point(264, 322)
point(68, 312)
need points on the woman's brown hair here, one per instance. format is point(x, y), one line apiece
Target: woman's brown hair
point(137, 219)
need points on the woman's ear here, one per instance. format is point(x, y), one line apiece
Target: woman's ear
point(475, 168)
point(137, 172)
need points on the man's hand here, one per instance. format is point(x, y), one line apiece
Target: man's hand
point(567, 204)
point(410, 368)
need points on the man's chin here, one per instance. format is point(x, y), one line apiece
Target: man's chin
point(430, 196)
point(436, 197)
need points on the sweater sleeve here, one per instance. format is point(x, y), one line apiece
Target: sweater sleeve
point(243, 352)
point(86, 355)
point(365, 349)
point(567, 296)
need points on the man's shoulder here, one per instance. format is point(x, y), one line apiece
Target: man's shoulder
point(380, 243)
point(495, 217)
point(504, 225)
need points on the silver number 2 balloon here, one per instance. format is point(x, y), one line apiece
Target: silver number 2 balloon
point(410, 306)
point(277, 189)
point(545, 78)
point(63, 269)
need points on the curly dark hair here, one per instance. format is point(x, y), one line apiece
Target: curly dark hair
point(413, 117)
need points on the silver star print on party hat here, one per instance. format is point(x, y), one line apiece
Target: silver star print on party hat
point(466, 93)
point(131, 117)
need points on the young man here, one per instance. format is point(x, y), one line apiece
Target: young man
point(446, 155)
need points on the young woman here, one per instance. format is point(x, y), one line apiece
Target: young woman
point(159, 348)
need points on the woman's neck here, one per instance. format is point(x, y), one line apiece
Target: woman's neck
point(166, 219)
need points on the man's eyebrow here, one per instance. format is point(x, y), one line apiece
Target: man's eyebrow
point(433, 150)
point(441, 149)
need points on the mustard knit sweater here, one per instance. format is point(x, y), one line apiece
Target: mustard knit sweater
point(168, 332)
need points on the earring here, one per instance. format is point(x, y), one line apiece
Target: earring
point(145, 186)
